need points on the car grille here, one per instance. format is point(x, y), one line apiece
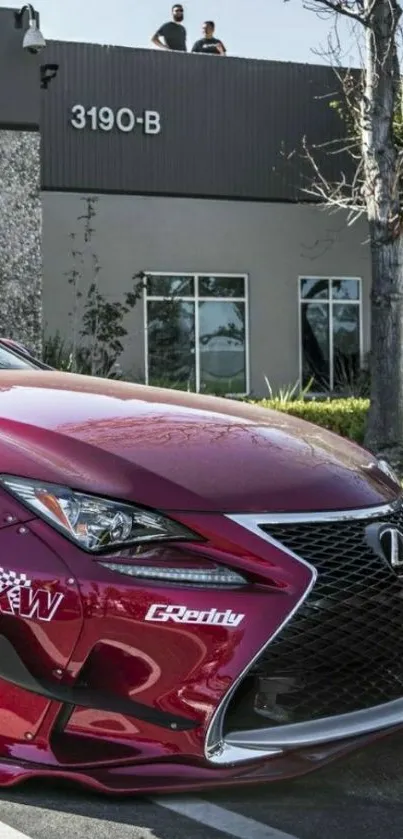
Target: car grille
point(343, 649)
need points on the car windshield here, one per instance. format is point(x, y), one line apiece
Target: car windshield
point(11, 361)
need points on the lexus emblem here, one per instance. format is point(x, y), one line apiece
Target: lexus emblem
point(387, 542)
point(392, 546)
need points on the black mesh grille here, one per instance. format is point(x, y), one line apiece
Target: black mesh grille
point(343, 650)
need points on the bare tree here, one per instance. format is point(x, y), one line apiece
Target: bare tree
point(372, 99)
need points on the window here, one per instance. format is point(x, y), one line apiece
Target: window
point(196, 332)
point(330, 332)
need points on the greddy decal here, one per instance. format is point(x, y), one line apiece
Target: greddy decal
point(180, 614)
point(17, 597)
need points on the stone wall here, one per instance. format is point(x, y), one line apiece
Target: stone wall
point(21, 238)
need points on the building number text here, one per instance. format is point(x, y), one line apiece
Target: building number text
point(105, 119)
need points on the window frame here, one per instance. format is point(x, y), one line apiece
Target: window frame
point(196, 298)
point(330, 302)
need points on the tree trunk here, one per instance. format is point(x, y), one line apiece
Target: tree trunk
point(384, 433)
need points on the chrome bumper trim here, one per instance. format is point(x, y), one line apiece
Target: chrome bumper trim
point(227, 755)
point(317, 732)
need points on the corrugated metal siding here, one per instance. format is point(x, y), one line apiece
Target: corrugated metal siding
point(226, 123)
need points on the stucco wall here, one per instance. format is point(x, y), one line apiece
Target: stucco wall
point(20, 237)
point(272, 243)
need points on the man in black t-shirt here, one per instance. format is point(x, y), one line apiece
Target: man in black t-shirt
point(209, 44)
point(173, 32)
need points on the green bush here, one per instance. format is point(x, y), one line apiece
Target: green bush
point(346, 417)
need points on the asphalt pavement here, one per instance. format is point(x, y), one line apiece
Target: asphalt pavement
point(360, 797)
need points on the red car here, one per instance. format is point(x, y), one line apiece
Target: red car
point(194, 592)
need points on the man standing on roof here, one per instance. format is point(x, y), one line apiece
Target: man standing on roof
point(173, 32)
point(209, 44)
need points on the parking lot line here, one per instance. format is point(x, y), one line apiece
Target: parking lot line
point(211, 815)
point(7, 832)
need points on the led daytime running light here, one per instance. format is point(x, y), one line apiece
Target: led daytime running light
point(214, 577)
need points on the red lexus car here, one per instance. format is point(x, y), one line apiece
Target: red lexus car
point(194, 592)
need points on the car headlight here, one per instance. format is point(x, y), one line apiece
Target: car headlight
point(102, 526)
point(95, 524)
point(387, 469)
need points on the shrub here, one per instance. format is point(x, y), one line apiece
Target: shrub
point(59, 354)
point(56, 352)
point(290, 393)
point(346, 417)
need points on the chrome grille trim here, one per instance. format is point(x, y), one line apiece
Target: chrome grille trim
point(239, 747)
point(216, 748)
point(325, 516)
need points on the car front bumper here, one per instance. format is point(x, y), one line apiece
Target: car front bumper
point(242, 746)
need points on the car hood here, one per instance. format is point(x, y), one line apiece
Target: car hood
point(177, 451)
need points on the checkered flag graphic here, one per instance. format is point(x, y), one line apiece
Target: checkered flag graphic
point(12, 582)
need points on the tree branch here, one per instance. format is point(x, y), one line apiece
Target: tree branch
point(339, 7)
point(339, 196)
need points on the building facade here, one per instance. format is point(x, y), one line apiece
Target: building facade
point(188, 169)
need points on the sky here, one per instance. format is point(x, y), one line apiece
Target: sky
point(269, 29)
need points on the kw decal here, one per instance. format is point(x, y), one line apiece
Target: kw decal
point(17, 597)
point(180, 614)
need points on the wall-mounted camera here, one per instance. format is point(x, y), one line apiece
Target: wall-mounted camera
point(33, 40)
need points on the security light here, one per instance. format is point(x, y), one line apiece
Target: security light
point(33, 41)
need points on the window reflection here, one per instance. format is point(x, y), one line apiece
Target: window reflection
point(171, 341)
point(345, 290)
point(315, 345)
point(160, 286)
point(9, 361)
point(198, 343)
point(346, 345)
point(330, 333)
point(222, 347)
point(314, 289)
point(221, 286)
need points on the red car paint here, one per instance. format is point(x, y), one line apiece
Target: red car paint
point(195, 458)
